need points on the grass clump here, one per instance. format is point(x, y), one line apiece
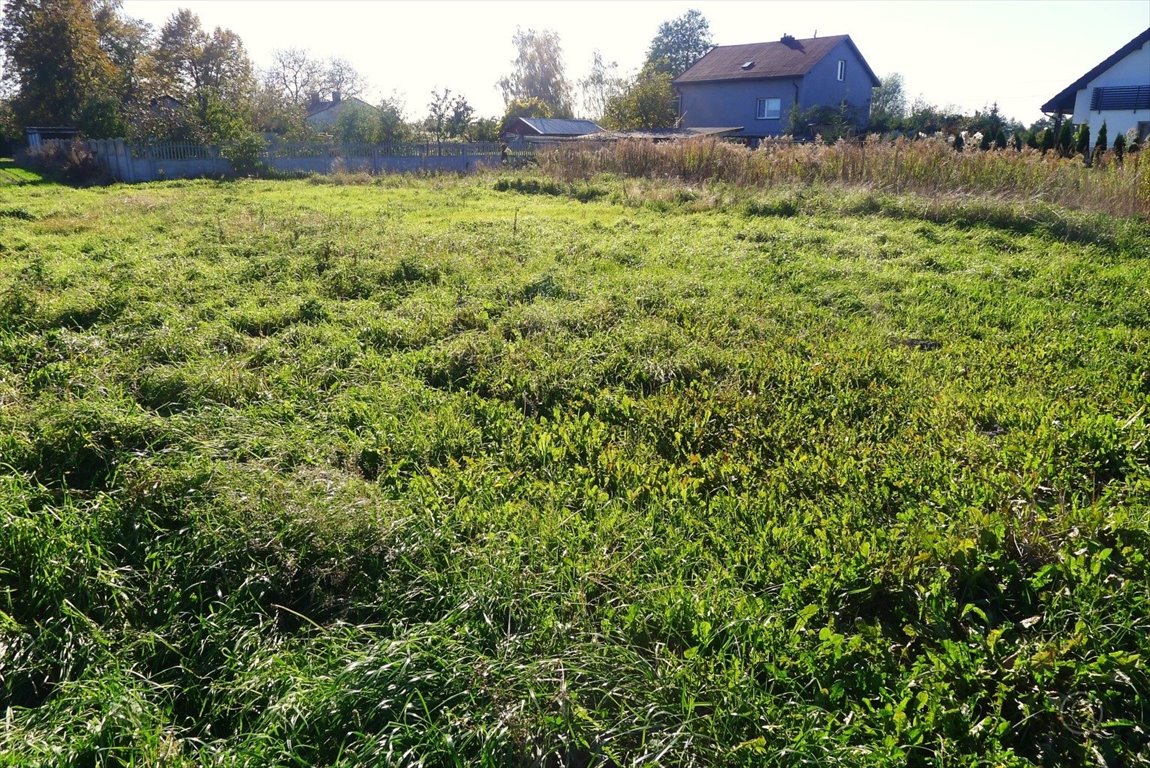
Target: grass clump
point(426, 472)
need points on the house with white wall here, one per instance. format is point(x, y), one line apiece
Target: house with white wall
point(1116, 92)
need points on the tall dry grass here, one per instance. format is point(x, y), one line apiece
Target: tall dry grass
point(927, 167)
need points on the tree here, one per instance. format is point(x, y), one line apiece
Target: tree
point(342, 78)
point(54, 62)
point(126, 42)
point(485, 129)
point(529, 107)
point(459, 119)
point(1065, 139)
point(927, 118)
point(448, 116)
point(888, 103)
point(355, 125)
point(602, 84)
point(393, 127)
point(193, 64)
point(538, 72)
point(210, 73)
point(648, 102)
point(679, 43)
point(1082, 141)
point(295, 75)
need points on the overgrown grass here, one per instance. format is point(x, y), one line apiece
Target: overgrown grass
point(929, 168)
point(517, 471)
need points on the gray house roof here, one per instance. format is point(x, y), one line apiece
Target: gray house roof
point(546, 126)
point(1063, 103)
point(788, 57)
point(325, 114)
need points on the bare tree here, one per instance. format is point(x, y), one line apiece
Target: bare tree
point(295, 75)
point(342, 78)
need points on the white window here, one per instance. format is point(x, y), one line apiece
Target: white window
point(842, 69)
point(768, 109)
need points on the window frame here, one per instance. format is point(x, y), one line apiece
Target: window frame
point(842, 70)
point(762, 111)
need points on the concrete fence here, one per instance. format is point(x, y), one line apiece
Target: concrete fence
point(183, 160)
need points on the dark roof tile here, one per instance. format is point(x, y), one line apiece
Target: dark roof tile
point(793, 58)
point(1063, 103)
point(548, 126)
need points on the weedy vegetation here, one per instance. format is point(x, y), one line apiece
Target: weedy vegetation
point(1117, 183)
point(571, 470)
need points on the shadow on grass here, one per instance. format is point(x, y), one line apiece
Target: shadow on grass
point(11, 173)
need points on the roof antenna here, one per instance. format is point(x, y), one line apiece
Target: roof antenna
point(816, 33)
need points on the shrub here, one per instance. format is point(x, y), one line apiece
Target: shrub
point(1119, 148)
point(246, 155)
point(1065, 139)
point(70, 162)
point(1082, 141)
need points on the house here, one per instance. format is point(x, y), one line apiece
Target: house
point(323, 115)
point(1116, 92)
point(783, 87)
point(551, 128)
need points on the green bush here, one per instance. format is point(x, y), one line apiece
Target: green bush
point(246, 155)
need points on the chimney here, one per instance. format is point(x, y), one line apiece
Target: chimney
point(335, 97)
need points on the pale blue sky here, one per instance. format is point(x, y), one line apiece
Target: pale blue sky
point(968, 54)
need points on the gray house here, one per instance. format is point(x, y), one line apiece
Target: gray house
point(771, 89)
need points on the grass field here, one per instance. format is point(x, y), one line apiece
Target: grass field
point(509, 471)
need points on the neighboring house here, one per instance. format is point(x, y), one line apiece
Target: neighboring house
point(324, 115)
point(551, 128)
point(771, 89)
point(1116, 92)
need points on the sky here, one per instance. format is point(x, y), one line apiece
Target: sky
point(968, 54)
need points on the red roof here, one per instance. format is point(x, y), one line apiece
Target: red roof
point(792, 58)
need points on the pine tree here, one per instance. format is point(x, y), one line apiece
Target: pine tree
point(1065, 139)
point(1082, 141)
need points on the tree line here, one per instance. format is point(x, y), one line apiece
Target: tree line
point(86, 64)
